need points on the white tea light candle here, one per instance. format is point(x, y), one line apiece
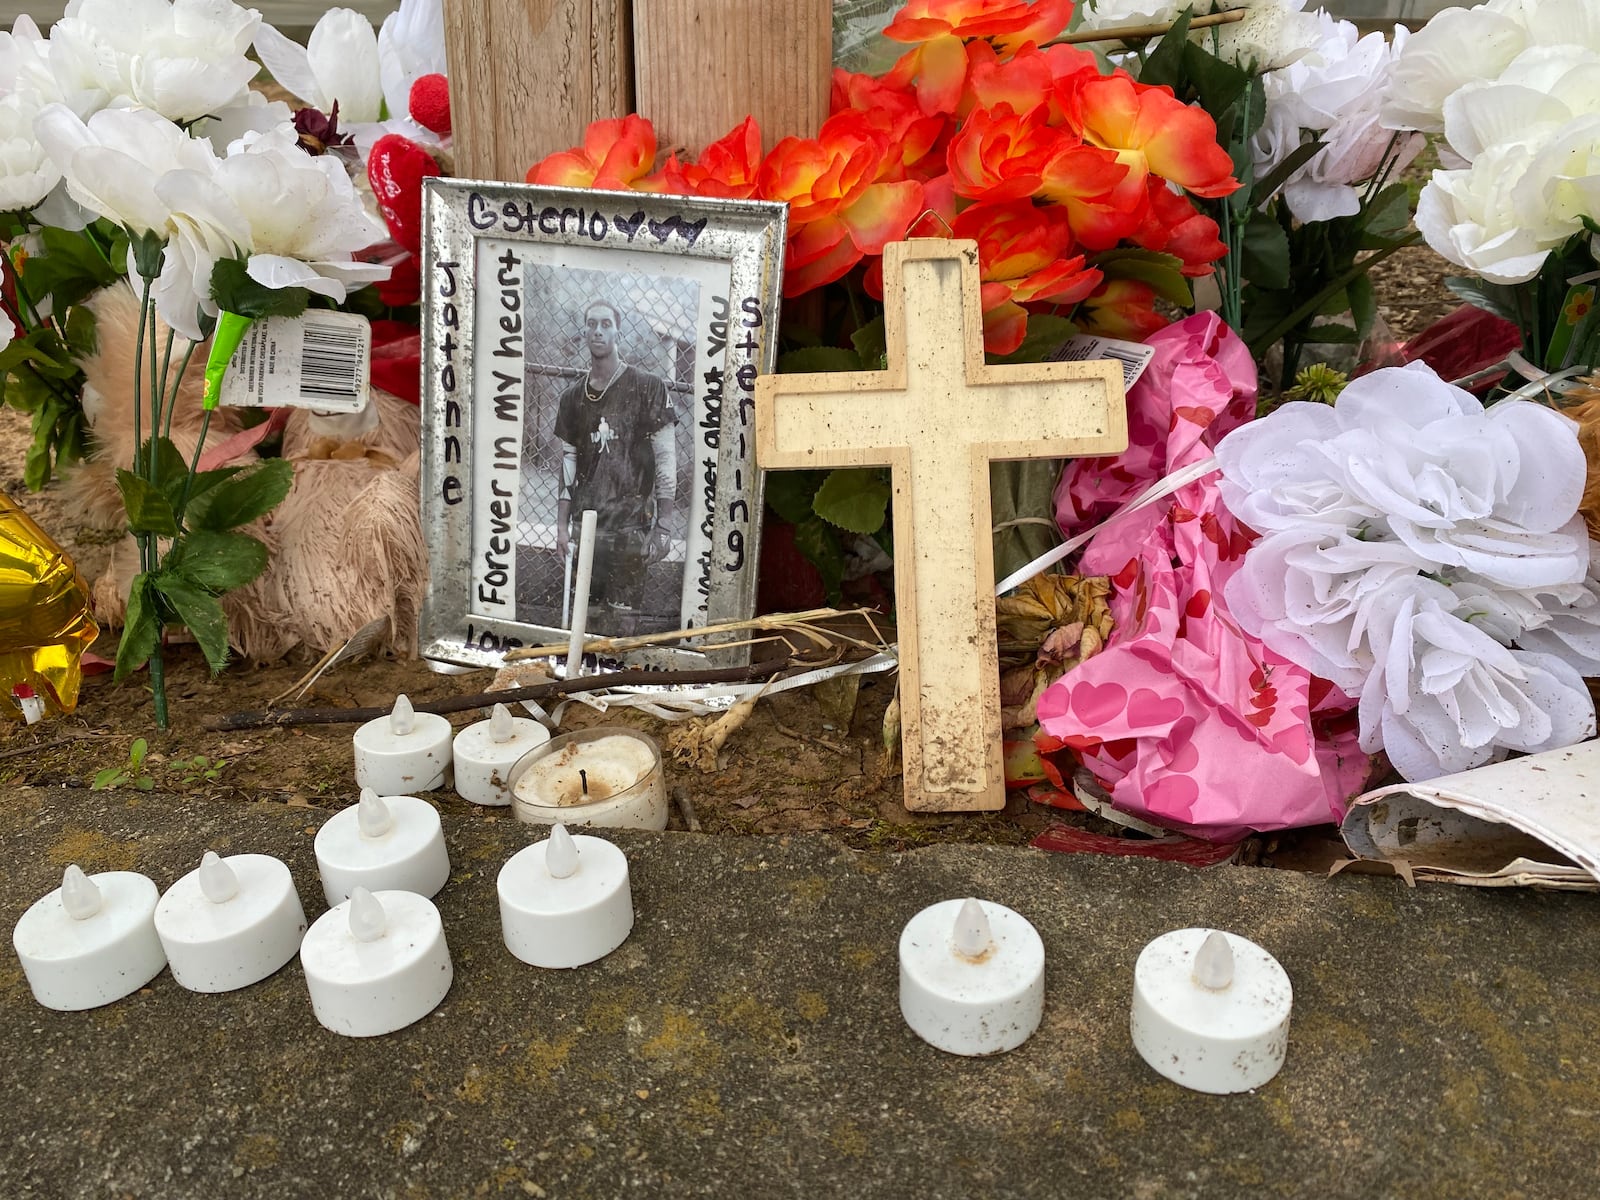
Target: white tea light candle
point(1211, 1010)
point(565, 901)
point(404, 752)
point(376, 963)
point(971, 977)
point(91, 941)
point(609, 776)
point(486, 751)
point(382, 844)
point(231, 922)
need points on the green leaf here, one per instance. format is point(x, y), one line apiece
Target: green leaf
point(790, 493)
point(200, 611)
point(241, 499)
point(82, 336)
point(871, 345)
point(1491, 297)
point(854, 498)
point(1266, 252)
point(149, 511)
point(1164, 64)
point(1331, 335)
point(1386, 216)
point(234, 291)
point(1267, 186)
point(139, 629)
point(1363, 305)
point(218, 562)
point(820, 545)
point(1164, 272)
point(1046, 334)
point(68, 269)
point(170, 468)
point(137, 752)
point(817, 359)
point(1219, 84)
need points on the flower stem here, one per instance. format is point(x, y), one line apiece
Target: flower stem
point(177, 383)
point(194, 464)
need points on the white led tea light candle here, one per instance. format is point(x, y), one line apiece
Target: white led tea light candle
point(565, 901)
point(608, 776)
point(1211, 1010)
point(91, 941)
point(376, 963)
point(486, 751)
point(971, 977)
point(382, 844)
point(404, 752)
point(231, 922)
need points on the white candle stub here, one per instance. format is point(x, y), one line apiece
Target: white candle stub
point(971, 977)
point(604, 777)
point(565, 901)
point(393, 843)
point(376, 963)
point(91, 941)
point(487, 751)
point(406, 751)
point(231, 922)
point(1211, 1010)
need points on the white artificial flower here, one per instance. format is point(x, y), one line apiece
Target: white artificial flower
point(1495, 218)
point(1542, 89)
point(8, 330)
point(184, 59)
point(1107, 14)
point(338, 65)
point(411, 45)
point(252, 113)
point(1307, 594)
point(304, 217)
point(112, 163)
point(27, 173)
point(1445, 696)
point(1272, 34)
point(1558, 22)
point(1455, 47)
point(1333, 92)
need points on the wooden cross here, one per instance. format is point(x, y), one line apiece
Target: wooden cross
point(937, 418)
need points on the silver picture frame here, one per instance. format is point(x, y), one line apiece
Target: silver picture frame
point(511, 275)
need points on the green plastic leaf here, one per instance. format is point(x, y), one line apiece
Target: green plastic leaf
point(149, 511)
point(790, 493)
point(1219, 84)
point(1491, 297)
point(1267, 186)
point(170, 468)
point(1165, 64)
point(139, 629)
point(1046, 334)
point(69, 267)
point(217, 562)
point(234, 291)
point(200, 611)
point(855, 499)
point(1363, 305)
point(82, 337)
point(811, 360)
point(1164, 272)
point(1266, 252)
point(1386, 217)
point(871, 344)
point(1332, 335)
point(242, 498)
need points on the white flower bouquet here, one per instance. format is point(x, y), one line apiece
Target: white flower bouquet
point(1424, 555)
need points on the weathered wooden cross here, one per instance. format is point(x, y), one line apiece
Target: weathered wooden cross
point(937, 418)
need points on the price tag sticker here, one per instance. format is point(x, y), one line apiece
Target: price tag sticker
point(320, 360)
point(1134, 356)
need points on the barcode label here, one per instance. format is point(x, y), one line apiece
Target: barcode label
point(1134, 356)
point(319, 360)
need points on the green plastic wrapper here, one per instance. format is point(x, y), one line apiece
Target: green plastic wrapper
point(45, 620)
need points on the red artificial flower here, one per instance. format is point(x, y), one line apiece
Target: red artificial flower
point(727, 168)
point(1151, 132)
point(1174, 226)
point(616, 154)
point(1001, 154)
point(1025, 254)
point(918, 140)
point(937, 66)
point(839, 207)
point(1027, 79)
point(1121, 308)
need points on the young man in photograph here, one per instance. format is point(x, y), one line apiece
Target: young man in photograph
point(619, 457)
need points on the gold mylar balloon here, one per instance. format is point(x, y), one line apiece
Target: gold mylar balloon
point(45, 622)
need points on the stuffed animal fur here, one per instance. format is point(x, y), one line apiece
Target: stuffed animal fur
point(346, 544)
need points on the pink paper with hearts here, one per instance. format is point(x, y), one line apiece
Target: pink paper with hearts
point(1188, 721)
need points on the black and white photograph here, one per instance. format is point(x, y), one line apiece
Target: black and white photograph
point(591, 352)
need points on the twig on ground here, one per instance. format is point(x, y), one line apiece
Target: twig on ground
point(842, 751)
point(537, 691)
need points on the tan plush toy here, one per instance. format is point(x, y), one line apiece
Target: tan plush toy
point(346, 545)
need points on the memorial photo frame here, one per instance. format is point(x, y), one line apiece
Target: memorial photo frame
point(591, 349)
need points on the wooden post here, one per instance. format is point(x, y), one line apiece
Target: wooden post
point(938, 417)
point(528, 76)
point(702, 66)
